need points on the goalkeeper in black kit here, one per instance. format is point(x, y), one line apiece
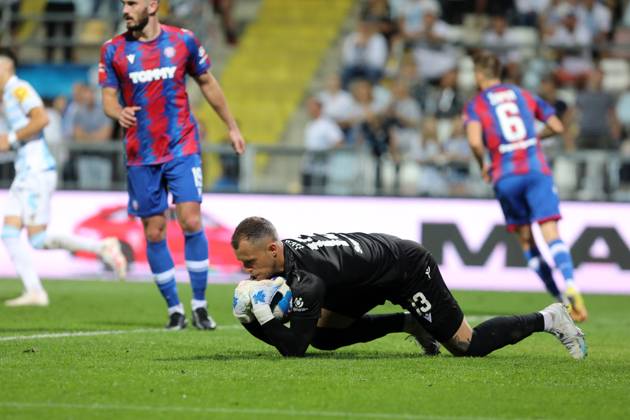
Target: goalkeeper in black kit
point(337, 278)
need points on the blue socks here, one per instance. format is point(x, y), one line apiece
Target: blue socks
point(196, 253)
point(537, 263)
point(563, 260)
point(163, 270)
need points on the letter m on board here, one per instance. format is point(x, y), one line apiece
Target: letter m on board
point(435, 237)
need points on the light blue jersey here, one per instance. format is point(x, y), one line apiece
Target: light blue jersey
point(18, 99)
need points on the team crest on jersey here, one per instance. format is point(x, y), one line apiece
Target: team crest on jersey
point(169, 52)
point(20, 93)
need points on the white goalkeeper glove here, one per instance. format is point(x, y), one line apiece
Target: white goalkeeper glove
point(260, 293)
point(241, 304)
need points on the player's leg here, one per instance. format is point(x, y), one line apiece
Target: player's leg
point(498, 332)
point(185, 181)
point(335, 330)
point(34, 293)
point(535, 261)
point(543, 200)
point(27, 201)
point(438, 311)
point(148, 200)
point(108, 249)
point(564, 263)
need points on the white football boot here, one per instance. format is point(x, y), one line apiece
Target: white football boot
point(565, 330)
point(430, 346)
point(39, 298)
point(113, 256)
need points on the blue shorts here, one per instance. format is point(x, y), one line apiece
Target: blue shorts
point(149, 185)
point(527, 198)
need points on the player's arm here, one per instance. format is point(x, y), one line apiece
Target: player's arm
point(126, 116)
point(37, 120)
point(553, 126)
point(213, 93)
point(475, 140)
point(293, 341)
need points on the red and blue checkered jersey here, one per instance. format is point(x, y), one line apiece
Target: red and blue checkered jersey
point(508, 117)
point(152, 75)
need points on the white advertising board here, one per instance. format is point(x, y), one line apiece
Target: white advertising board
point(467, 237)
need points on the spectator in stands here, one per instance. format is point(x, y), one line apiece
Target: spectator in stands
point(402, 118)
point(411, 18)
point(431, 160)
point(599, 130)
point(337, 103)
point(445, 103)
point(503, 42)
point(572, 43)
point(596, 17)
point(90, 125)
point(434, 52)
point(364, 54)
point(53, 132)
point(368, 116)
point(61, 14)
point(12, 7)
point(564, 112)
point(379, 11)
point(598, 124)
point(457, 155)
point(321, 135)
point(410, 74)
point(225, 8)
point(528, 12)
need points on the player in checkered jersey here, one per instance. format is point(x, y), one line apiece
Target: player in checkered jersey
point(143, 76)
point(501, 119)
point(28, 204)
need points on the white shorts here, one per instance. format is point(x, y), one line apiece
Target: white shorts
point(29, 197)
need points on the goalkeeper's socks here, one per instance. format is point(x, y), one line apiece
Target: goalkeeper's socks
point(196, 253)
point(500, 331)
point(562, 259)
point(536, 262)
point(21, 257)
point(163, 271)
point(364, 329)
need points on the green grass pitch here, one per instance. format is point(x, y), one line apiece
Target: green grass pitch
point(133, 369)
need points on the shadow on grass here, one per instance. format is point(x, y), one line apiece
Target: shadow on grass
point(257, 355)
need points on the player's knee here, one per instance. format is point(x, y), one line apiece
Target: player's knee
point(155, 234)
point(191, 223)
point(38, 240)
point(325, 339)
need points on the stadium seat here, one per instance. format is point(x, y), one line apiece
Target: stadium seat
point(616, 74)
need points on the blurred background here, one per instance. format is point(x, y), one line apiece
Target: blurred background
point(391, 75)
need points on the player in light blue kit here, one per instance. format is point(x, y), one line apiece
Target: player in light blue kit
point(35, 180)
point(501, 119)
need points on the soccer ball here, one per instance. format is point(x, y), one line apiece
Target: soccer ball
point(281, 302)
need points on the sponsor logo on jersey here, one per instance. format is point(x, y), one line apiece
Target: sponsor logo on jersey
point(298, 305)
point(131, 58)
point(20, 93)
point(428, 317)
point(145, 76)
point(428, 273)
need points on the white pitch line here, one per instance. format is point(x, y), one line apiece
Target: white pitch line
point(473, 318)
point(246, 411)
point(96, 333)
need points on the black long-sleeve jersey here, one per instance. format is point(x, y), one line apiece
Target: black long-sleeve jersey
point(330, 271)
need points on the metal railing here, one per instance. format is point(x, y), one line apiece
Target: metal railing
point(582, 175)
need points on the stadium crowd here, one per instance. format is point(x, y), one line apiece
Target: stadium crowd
point(406, 72)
